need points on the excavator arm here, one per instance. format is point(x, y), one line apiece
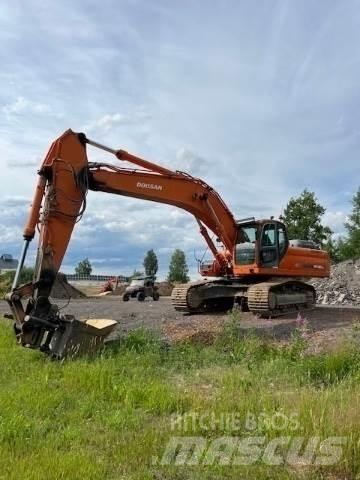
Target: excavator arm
point(59, 202)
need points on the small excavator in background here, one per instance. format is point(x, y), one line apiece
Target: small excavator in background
point(256, 267)
point(110, 285)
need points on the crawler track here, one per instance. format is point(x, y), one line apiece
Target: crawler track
point(179, 297)
point(272, 298)
point(206, 295)
point(279, 298)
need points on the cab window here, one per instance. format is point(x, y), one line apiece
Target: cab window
point(282, 240)
point(269, 248)
point(245, 245)
point(268, 238)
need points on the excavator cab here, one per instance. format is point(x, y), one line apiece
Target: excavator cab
point(262, 243)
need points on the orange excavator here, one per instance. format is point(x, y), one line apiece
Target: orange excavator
point(257, 267)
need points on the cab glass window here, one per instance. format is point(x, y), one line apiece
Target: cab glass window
point(245, 245)
point(282, 240)
point(268, 238)
point(246, 235)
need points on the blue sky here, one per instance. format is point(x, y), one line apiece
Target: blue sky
point(260, 98)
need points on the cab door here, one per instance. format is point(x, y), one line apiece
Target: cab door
point(269, 249)
point(273, 244)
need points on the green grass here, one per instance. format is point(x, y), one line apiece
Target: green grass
point(109, 417)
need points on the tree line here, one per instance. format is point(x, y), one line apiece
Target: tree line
point(178, 269)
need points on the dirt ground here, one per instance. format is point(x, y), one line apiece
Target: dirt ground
point(326, 325)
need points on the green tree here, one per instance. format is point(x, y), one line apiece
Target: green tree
point(178, 269)
point(333, 249)
point(84, 268)
point(150, 263)
point(302, 217)
point(344, 249)
point(351, 247)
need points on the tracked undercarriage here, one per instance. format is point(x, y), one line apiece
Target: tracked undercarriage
point(271, 298)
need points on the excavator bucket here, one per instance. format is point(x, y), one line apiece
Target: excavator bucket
point(55, 334)
point(59, 336)
point(51, 332)
point(76, 338)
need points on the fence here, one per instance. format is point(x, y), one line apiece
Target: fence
point(94, 278)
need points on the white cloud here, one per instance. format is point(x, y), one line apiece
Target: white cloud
point(21, 105)
point(189, 161)
point(335, 220)
point(9, 235)
point(23, 163)
point(109, 121)
point(14, 201)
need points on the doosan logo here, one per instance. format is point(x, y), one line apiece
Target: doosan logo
point(150, 186)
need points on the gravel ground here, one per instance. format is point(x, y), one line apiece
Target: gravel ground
point(327, 325)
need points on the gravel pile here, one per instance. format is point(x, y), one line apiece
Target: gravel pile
point(343, 286)
point(62, 289)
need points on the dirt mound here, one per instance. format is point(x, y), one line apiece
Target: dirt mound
point(120, 289)
point(201, 330)
point(63, 289)
point(343, 286)
point(165, 288)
